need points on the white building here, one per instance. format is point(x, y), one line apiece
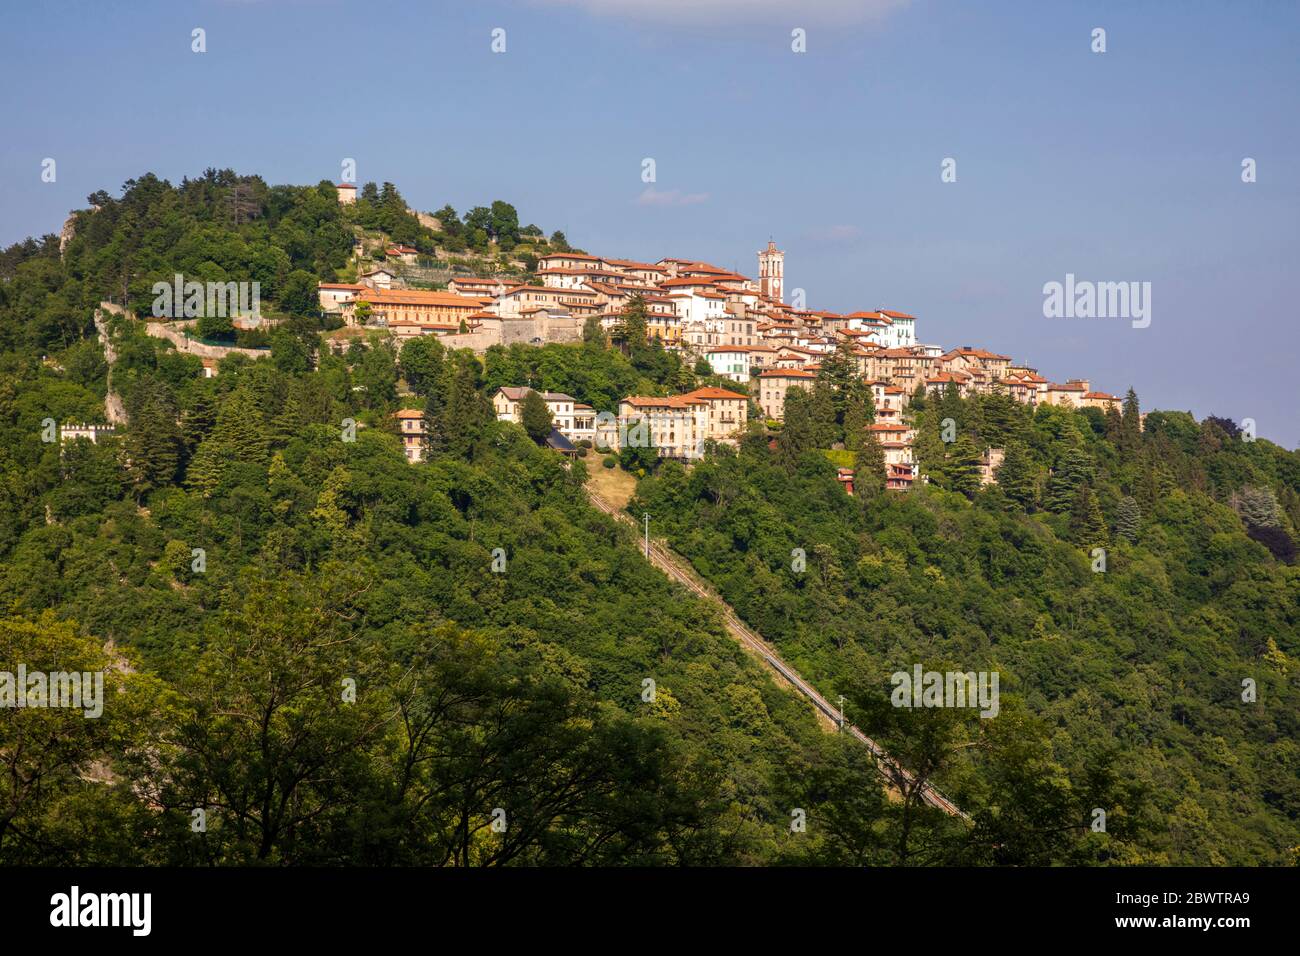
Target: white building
point(73, 431)
point(508, 404)
point(730, 362)
point(902, 329)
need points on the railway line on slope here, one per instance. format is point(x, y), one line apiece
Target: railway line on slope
point(675, 566)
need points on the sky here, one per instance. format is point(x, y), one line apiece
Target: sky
point(1122, 166)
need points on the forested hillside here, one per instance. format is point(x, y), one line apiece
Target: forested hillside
point(339, 657)
point(1127, 661)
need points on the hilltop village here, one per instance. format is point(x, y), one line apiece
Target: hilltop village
point(742, 327)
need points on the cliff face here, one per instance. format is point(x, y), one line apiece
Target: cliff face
point(68, 232)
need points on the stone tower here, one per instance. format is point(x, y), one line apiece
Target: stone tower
point(771, 271)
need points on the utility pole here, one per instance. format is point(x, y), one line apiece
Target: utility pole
point(842, 711)
point(647, 536)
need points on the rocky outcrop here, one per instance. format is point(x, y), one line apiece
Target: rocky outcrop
point(68, 233)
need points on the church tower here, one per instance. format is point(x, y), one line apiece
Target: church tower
point(771, 271)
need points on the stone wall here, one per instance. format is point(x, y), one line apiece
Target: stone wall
point(160, 330)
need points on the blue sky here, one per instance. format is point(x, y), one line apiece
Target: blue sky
point(1114, 167)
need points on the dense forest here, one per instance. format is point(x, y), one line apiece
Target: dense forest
point(1123, 579)
point(317, 653)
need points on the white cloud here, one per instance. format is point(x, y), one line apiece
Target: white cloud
point(670, 197)
point(739, 11)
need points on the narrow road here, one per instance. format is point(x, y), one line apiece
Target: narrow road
point(675, 566)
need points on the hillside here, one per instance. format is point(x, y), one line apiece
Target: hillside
point(339, 657)
point(1124, 664)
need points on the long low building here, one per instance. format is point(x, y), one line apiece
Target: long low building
point(413, 305)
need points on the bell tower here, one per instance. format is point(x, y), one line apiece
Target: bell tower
point(771, 271)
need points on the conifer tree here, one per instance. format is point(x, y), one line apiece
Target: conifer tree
point(856, 421)
point(1130, 433)
point(928, 447)
point(467, 411)
point(1087, 526)
point(240, 437)
point(961, 470)
point(1127, 518)
point(199, 419)
point(869, 469)
point(796, 434)
point(1074, 468)
point(821, 414)
point(840, 378)
point(435, 425)
point(1114, 425)
point(289, 423)
point(153, 438)
point(1018, 477)
point(535, 416)
point(1000, 419)
point(949, 404)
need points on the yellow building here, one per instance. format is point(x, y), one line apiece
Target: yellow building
point(389, 306)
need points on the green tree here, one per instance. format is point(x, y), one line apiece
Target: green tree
point(55, 807)
point(1073, 469)
point(1017, 476)
point(796, 437)
point(240, 439)
point(1127, 519)
point(298, 295)
point(535, 416)
point(1130, 432)
point(422, 363)
point(1087, 526)
point(215, 328)
point(961, 469)
point(153, 437)
point(869, 472)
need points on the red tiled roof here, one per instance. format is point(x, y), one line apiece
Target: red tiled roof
point(714, 394)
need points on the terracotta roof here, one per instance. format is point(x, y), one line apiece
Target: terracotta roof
point(714, 394)
point(520, 392)
point(633, 264)
point(686, 281)
point(569, 255)
point(418, 297)
point(585, 293)
point(670, 401)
